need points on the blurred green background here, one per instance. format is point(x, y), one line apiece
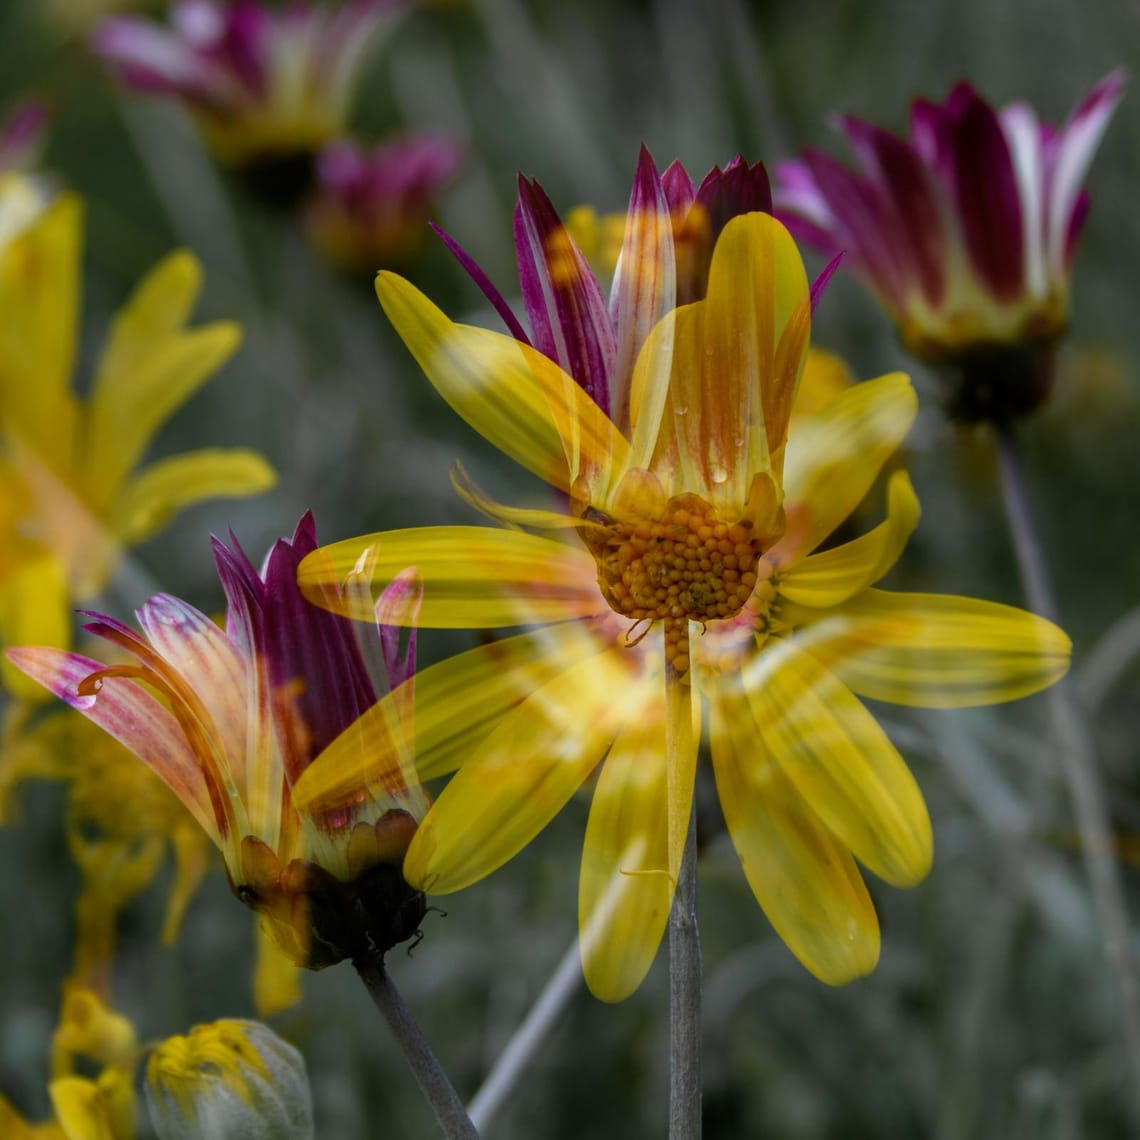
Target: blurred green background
point(992, 1012)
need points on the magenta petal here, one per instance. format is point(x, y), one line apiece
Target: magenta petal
point(820, 283)
point(1077, 217)
point(645, 280)
point(906, 181)
point(568, 317)
point(126, 711)
point(1071, 153)
point(863, 224)
point(737, 189)
point(397, 611)
point(473, 270)
point(678, 188)
point(310, 650)
point(985, 188)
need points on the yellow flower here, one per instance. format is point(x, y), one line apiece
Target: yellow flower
point(102, 1107)
point(685, 565)
point(121, 821)
point(229, 1078)
point(71, 498)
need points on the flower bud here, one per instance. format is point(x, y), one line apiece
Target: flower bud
point(235, 1080)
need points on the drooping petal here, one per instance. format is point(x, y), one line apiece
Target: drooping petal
point(937, 650)
point(524, 773)
point(201, 655)
point(803, 878)
point(841, 763)
point(832, 577)
point(833, 457)
point(132, 716)
point(474, 577)
point(626, 885)
point(511, 394)
point(148, 500)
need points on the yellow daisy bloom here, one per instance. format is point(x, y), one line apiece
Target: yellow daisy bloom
point(71, 496)
point(683, 582)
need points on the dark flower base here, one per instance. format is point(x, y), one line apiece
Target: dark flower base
point(327, 921)
point(996, 383)
point(279, 181)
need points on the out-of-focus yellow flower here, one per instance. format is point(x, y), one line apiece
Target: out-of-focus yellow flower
point(71, 498)
point(229, 1078)
point(122, 820)
point(103, 1107)
point(684, 576)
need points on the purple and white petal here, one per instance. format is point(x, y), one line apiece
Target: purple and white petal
point(1076, 144)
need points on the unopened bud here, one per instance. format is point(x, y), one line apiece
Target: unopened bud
point(234, 1080)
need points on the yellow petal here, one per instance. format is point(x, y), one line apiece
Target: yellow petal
point(79, 1109)
point(39, 317)
point(733, 374)
point(825, 376)
point(149, 370)
point(34, 610)
point(834, 456)
point(276, 981)
point(511, 394)
point(804, 879)
point(937, 650)
point(835, 575)
point(627, 883)
point(460, 699)
point(535, 518)
point(523, 774)
point(474, 577)
point(152, 497)
point(457, 703)
point(841, 763)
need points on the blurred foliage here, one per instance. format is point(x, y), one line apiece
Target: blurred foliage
point(991, 1014)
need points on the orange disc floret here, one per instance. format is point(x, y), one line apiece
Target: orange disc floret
point(686, 565)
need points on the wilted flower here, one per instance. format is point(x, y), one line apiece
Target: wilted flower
point(684, 562)
point(229, 1079)
point(121, 822)
point(965, 232)
point(230, 720)
point(370, 207)
point(70, 497)
point(268, 87)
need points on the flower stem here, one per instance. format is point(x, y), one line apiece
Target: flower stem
point(429, 1074)
point(1078, 762)
point(551, 1004)
point(684, 934)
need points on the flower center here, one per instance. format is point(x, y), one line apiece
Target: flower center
point(686, 565)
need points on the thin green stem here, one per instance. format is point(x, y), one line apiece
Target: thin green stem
point(1079, 765)
point(433, 1081)
point(684, 933)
